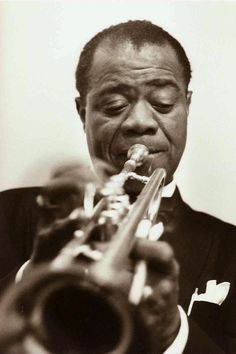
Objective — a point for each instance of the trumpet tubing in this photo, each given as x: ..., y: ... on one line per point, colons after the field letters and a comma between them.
x: 68, y: 308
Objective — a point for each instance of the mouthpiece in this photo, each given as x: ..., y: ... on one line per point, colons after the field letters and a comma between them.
x: 136, y: 156
x: 138, y: 153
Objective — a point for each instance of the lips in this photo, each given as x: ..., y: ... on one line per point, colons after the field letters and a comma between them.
x: 119, y: 150
x: 120, y: 159
x: 151, y: 152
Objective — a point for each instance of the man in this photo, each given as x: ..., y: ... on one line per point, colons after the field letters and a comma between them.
x: 133, y: 83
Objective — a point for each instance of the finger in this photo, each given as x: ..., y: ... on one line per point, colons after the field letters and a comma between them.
x: 79, y: 172
x: 67, y: 168
x: 50, y: 240
x: 153, y: 252
x: 59, y: 188
x: 164, y: 293
x: 60, y: 196
x: 58, y: 228
x: 68, y: 180
x: 54, y: 208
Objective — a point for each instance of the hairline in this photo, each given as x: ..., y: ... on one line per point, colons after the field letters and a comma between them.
x: 146, y: 33
x: 108, y: 42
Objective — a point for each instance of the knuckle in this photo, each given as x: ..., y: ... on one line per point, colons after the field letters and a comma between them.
x: 44, y: 232
x: 167, y: 251
x: 166, y: 288
x: 176, y: 268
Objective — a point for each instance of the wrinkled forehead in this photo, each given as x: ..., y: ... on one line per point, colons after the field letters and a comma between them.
x: 125, y: 56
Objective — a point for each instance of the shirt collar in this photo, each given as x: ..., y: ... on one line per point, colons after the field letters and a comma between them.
x: 169, y: 190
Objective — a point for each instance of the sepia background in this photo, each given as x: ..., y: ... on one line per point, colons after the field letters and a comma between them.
x: 40, y: 42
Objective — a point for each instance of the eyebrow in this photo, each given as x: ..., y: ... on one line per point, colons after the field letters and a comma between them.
x: 163, y: 83
x: 121, y: 87
x: 113, y: 88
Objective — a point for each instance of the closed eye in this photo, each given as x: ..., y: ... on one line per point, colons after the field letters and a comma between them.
x: 114, y: 108
x: 162, y: 108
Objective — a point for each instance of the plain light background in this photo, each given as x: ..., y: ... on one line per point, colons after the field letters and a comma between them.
x: 40, y: 45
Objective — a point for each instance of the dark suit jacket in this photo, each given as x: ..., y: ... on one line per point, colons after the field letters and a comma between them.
x: 18, y: 218
x: 205, y: 248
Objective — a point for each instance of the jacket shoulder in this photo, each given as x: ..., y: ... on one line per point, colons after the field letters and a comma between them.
x: 18, y: 219
x: 19, y: 197
x: 19, y: 193
x: 211, y: 224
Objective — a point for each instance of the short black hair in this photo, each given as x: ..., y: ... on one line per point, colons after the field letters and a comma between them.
x: 139, y: 33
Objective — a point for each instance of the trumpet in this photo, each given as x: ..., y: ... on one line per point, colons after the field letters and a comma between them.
x: 76, y: 303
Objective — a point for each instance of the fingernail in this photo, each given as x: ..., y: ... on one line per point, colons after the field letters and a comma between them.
x: 147, y: 291
x: 74, y: 214
x: 78, y: 233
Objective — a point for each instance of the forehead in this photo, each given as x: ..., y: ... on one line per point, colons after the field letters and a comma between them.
x: 125, y: 63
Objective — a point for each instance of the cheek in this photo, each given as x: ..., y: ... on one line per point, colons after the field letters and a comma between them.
x: 91, y: 127
x: 179, y: 136
x: 99, y: 132
x: 178, y: 129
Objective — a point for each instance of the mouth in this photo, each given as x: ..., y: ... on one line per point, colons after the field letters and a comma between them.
x: 121, y: 158
x: 123, y: 155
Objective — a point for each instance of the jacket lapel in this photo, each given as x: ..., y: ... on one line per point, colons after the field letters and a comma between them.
x: 187, y: 234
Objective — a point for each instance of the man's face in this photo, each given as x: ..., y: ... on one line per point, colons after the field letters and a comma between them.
x: 136, y: 96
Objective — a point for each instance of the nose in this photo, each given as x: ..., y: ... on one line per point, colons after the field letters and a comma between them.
x: 140, y: 120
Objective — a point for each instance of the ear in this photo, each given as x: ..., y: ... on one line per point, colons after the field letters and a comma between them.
x: 189, y: 98
x: 81, y: 109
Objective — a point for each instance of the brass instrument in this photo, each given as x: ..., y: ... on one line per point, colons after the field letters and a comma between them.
x: 78, y: 303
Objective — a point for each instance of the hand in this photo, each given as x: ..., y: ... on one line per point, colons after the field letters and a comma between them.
x: 159, y: 309
x: 64, y: 191
x: 63, y: 194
